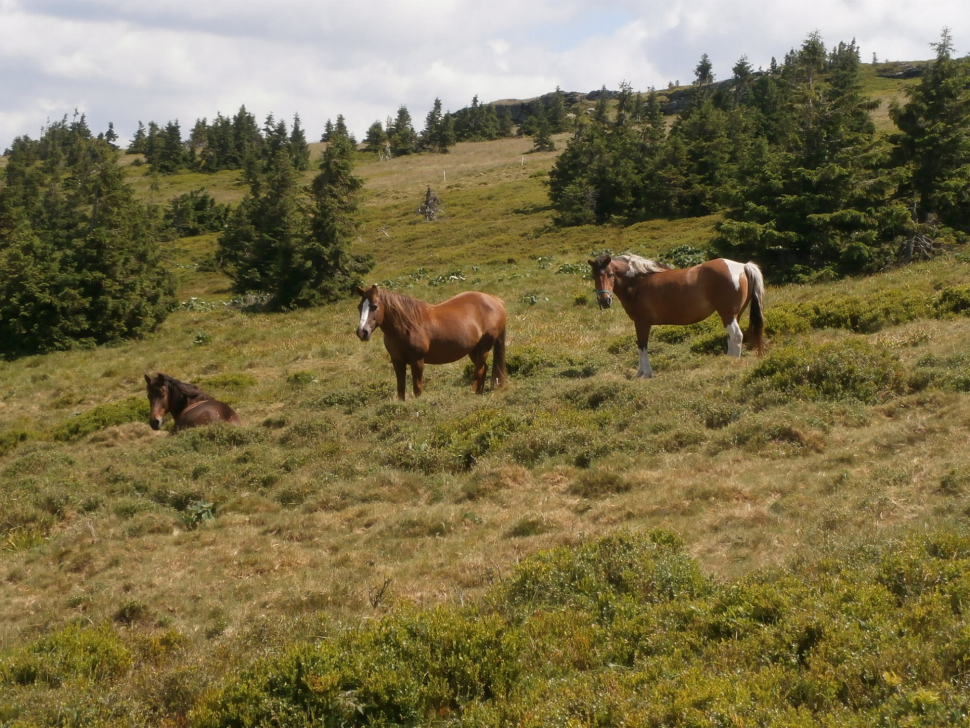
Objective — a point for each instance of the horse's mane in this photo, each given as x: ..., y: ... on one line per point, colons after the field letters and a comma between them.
x: 407, y: 310
x: 639, y: 265
x: 190, y: 391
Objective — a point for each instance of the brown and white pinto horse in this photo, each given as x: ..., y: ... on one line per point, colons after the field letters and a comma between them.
x: 189, y: 405
x: 653, y: 294
x: 417, y: 333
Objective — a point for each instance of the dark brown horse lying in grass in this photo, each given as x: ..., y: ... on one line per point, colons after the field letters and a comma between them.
x: 189, y: 405
x: 652, y: 294
x: 417, y: 333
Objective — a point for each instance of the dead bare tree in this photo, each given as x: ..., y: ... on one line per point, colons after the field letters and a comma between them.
x: 432, y: 207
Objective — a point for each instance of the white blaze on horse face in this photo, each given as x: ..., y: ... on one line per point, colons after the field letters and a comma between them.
x: 735, y: 337
x: 736, y: 270
x: 644, y: 370
x: 364, y: 312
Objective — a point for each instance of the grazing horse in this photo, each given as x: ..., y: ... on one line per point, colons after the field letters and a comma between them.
x: 653, y: 294
x: 417, y: 333
x: 189, y: 405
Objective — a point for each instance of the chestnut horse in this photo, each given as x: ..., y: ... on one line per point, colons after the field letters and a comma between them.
x: 417, y: 333
x: 189, y: 405
x: 653, y: 294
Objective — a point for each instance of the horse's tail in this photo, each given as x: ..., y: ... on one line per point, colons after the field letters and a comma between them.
x: 499, y: 376
x: 756, y: 294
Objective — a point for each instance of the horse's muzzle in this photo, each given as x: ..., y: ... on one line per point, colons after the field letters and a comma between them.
x: 155, y: 424
x: 363, y: 334
x: 605, y: 301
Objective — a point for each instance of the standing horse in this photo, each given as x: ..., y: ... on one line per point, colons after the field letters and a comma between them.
x: 189, y: 405
x: 653, y: 294
x: 417, y: 333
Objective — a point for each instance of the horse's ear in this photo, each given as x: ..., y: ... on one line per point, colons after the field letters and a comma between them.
x: 148, y: 379
x: 360, y: 291
x: 591, y: 262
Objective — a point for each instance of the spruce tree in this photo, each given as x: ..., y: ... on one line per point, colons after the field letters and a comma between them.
x: 299, y: 149
x: 819, y: 202
x: 403, y: 136
x: 438, y: 134
x: 296, y: 249
x: 376, y: 137
x: 137, y: 145
x: 79, y: 262
x: 556, y: 114
x: 933, y: 143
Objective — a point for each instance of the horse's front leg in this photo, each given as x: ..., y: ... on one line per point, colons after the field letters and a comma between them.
x: 417, y: 376
x: 401, y: 371
x: 643, y: 336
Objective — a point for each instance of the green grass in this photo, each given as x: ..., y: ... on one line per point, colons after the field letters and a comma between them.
x: 155, y: 567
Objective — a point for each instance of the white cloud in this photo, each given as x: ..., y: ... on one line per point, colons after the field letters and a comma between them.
x: 128, y: 60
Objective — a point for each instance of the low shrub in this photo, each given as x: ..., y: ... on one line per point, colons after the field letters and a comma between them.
x: 953, y: 301
x: 234, y: 381
x: 599, y: 483
x: 844, y: 370
x: 644, y: 567
x: 529, y: 361
x: 69, y: 654
x: 11, y: 440
x: 358, y: 395
x: 132, y: 409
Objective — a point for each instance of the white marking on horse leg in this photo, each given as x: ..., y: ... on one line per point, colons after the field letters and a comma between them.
x: 735, y: 337
x: 644, y: 370
x: 736, y: 270
x: 364, y: 311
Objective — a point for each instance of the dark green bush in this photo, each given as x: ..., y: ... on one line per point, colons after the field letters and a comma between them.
x: 72, y: 653
x: 230, y: 380
x: 599, y: 483
x: 529, y: 361
x: 626, y: 631
x: 132, y: 409
x: 11, y: 439
x: 953, y: 301
x: 844, y: 370
x: 645, y: 567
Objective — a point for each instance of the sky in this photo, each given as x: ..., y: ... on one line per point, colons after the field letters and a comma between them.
x: 125, y: 61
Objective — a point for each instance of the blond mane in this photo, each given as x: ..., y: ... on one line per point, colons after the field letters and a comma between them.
x: 639, y: 265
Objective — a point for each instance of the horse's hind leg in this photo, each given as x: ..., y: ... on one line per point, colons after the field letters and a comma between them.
x: 735, y: 336
x: 417, y: 377
x: 480, y: 360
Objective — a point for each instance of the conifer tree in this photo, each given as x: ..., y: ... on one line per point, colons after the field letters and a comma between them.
x: 111, y: 136
x: 933, y: 143
x: 376, y: 137
x: 79, y: 264
x: 299, y: 149
x: 438, y: 133
x: 403, y: 136
x: 292, y: 248
x: 556, y: 114
x: 820, y: 201
x: 137, y: 145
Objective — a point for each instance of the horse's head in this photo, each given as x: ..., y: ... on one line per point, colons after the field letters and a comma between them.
x: 603, y: 279
x: 158, y: 395
x: 371, y: 313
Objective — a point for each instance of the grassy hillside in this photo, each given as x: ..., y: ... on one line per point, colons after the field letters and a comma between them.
x: 335, y: 504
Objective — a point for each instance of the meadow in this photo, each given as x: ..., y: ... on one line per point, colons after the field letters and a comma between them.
x: 142, y: 573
